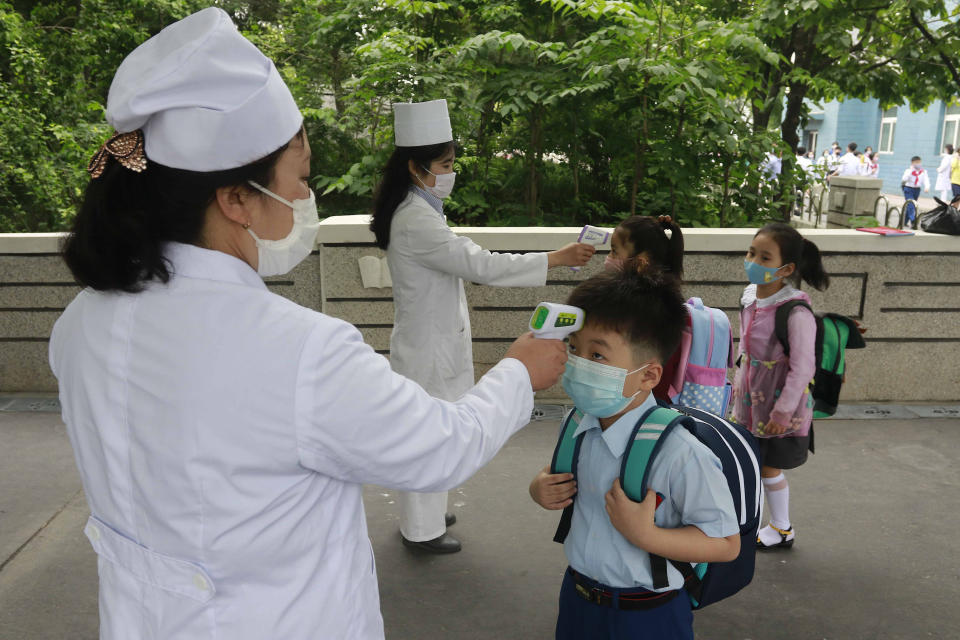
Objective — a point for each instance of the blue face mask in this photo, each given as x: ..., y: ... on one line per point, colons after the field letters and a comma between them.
x: 758, y: 274
x: 596, y: 389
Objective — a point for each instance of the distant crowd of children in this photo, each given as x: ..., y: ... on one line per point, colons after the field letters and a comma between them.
x: 634, y: 319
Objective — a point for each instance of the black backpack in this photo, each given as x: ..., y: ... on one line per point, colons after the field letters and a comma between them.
x: 835, y: 334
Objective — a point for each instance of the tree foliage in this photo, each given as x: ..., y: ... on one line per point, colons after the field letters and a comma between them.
x: 565, y: 112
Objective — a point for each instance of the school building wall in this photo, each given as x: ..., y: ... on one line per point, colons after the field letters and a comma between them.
x: 905, y: 290
x: 916, y: 133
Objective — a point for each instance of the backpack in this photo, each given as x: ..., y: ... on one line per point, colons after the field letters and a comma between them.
x: 835, y: 334
x: 739, y: 456
x: 705, y: 353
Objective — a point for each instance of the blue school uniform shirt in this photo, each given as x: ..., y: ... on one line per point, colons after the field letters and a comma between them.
x: 685, y: 472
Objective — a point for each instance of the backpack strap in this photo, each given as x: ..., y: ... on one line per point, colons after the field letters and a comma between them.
x: 780, y: 323
x: 564, y: 460
x: 644, y: 444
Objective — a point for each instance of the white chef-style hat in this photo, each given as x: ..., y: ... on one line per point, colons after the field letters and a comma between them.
x: 418, y: 124
x: 205, y: 97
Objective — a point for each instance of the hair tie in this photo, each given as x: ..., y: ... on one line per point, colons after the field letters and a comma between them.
x: 127, y: 148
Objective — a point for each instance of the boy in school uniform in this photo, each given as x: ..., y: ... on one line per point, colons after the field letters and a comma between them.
x: 913, y: 177
x: 633, y: 323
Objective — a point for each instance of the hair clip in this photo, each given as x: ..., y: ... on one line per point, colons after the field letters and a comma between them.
x: 127, y: 148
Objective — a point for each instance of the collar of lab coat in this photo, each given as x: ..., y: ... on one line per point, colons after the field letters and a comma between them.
x: 190, y: 261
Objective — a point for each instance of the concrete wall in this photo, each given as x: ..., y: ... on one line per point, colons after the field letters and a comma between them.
x: 905, y: 290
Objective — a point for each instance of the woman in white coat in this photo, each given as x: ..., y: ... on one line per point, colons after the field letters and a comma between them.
x: 943, y: 174
x: 431, y: 340
x: 222, y: 433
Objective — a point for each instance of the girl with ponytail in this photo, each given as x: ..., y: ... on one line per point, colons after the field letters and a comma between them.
x: 771, y: 392
x: 644, y: 239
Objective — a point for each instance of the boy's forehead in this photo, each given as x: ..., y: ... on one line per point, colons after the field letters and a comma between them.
x: 596, y: 332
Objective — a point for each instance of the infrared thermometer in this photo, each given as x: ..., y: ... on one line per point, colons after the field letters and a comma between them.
x: 554, y: 321
x: 594, y: 236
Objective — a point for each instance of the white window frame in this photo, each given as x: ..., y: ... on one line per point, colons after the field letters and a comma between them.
x: 955, y: 118
x: 892, y: 122
x: 813, y: 137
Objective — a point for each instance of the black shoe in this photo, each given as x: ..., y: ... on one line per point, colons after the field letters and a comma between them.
x: 450, y: 519
x: 786, y: 539
x: 444, y: 544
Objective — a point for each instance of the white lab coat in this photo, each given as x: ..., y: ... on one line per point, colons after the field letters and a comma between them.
x: 943, y: 177
x: 222, y: 434
x: 431, y: 340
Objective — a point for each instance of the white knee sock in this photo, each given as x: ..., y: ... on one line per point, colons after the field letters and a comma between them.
x: 778, y: 499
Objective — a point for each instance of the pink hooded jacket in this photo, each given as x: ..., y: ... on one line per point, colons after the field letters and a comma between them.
x: 768, y: 385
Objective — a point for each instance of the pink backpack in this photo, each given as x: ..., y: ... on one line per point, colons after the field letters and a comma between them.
x: 706, y: 352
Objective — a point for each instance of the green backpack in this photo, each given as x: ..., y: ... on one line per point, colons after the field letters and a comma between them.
x: 835, y: 334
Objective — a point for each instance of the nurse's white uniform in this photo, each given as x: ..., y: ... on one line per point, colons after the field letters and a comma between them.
x: 223, y: 432
x: 431, y: 340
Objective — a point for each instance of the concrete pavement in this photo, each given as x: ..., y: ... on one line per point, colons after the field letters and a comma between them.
x: 875, y: 511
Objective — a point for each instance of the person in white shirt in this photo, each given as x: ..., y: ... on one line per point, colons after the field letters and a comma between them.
x: 943, y: 174
x: 803, y: 162
x: 849, y: 163
x: 223, y: 433
x: 913, y: 178
x: 431, y: 341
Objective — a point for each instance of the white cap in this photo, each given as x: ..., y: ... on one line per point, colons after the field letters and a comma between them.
x: 417, y: 124
x: 206, y: 98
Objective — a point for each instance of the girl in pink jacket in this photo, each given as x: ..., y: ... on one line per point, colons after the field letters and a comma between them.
x: 771, y: 392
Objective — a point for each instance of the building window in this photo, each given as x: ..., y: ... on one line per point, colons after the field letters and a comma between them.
x: 951, y: 127
x: 812, y: 140
x: 888, y: 126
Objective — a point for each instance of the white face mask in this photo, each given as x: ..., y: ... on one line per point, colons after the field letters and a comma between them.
x: 443, y: 186
x: 277, y: 257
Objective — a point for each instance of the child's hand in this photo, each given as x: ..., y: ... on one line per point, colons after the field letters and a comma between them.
x: 634, y: 520
x: 553, y: 490
x: 774, y: 429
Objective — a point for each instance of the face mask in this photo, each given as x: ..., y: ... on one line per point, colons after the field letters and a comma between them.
x: 443, y: 187
x: 277, y: 257
x: 613, y: 264
x: 758, y: 274
x: 597, y: 388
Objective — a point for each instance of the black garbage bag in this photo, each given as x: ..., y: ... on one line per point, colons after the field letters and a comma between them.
x: 943, y: 219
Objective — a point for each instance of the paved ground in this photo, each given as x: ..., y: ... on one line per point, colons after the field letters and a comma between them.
x: 876, y: 512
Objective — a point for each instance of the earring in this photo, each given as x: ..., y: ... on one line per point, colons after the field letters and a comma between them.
x: 246, y: 225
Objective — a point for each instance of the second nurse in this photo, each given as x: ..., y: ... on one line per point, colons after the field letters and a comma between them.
x: 431, y: 340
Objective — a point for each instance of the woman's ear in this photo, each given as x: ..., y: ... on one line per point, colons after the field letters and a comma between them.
x: 413, y: 168
x: 234, y: 202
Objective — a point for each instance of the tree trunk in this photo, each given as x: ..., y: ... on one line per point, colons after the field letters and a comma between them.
x: 533, y: 157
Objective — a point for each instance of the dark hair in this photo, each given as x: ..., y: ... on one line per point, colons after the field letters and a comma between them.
x: 395, y: 184
x: 796, y: 249
x: 915, y: 158
x: 852, y: 146
x: 126, y: 218
x: 949, y: 148
x: 801, y: 150
x: 647, y: 234
x: 643, y: 305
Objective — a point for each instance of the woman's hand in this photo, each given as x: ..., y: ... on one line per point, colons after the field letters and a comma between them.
x: 575, y: 254
x: 545, y: 360
x: 553, y: 490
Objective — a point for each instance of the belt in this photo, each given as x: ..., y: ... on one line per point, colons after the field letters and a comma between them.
x: 626, y: 599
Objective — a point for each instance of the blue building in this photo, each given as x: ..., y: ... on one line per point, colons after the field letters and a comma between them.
x: 897, y: 133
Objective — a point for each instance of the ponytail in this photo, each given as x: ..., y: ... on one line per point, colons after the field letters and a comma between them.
x: 811, y: 267
x: 648, y: 236
x: 803, y: 253
x: 118, y: 236
x: 395, y: 184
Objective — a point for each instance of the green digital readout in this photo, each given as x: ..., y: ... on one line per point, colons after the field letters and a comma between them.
x: 540, y: 317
